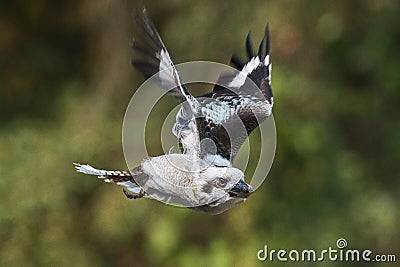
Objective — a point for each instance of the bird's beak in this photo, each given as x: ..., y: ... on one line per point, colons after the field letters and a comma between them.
x: 241, y: 190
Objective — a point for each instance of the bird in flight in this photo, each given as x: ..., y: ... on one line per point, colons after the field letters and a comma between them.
x: 211, y: 129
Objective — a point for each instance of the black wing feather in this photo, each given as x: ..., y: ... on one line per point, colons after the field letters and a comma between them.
x: 156, y: 60
x: 228, y: 146
x: 237, y: 62
x: 249, y: 46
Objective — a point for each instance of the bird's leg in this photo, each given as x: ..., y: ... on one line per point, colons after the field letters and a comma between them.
x: 131, y: 195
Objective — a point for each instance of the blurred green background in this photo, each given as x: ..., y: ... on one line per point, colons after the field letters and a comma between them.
x: 66, y: 79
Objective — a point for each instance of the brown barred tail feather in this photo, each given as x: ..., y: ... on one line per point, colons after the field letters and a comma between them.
x: 122, y: 178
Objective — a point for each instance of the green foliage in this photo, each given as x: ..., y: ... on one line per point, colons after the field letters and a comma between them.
x: 65, y: 82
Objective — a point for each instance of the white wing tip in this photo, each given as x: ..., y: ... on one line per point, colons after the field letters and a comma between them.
x: 87, y: 169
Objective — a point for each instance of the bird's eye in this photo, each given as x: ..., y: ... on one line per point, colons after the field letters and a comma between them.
x: 221, y: 182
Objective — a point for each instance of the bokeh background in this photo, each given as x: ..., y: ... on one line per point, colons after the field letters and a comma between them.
x: 66, y: 79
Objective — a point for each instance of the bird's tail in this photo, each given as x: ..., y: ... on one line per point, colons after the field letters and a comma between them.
x: 122, y: 178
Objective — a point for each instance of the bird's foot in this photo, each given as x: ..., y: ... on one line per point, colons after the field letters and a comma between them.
x: 131, y: 195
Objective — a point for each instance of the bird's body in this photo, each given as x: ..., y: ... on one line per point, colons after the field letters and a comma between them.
x: 211, y: 129
x: 174, y: 179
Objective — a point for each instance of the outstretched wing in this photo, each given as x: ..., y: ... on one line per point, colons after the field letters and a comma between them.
x: 258, y: 67
x: 157, y: 61
x: 219, y: 114
x: 240, y: 102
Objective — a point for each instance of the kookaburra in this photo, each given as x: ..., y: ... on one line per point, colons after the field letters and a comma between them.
x: 199, y: 178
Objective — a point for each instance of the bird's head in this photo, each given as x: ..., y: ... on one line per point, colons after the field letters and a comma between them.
x: 217, y: 182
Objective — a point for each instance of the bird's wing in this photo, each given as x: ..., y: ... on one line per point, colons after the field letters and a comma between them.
x: 214, y: 114
x: 239, y: 103
x: 157, y: 61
